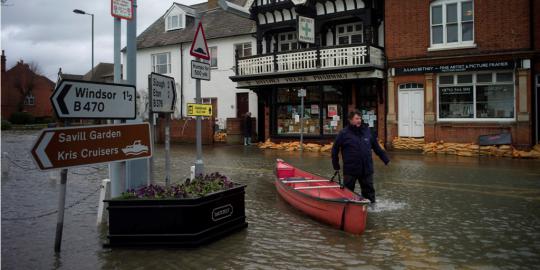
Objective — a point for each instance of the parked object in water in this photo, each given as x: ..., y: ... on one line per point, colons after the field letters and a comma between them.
x: 321, y: 198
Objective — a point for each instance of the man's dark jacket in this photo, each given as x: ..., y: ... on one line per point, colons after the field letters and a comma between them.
x: 355, y: 144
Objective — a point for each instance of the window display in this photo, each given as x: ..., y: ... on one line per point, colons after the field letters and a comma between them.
x: 476, y: 96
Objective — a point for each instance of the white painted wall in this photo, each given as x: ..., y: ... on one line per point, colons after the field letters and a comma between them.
x: 220, y: 86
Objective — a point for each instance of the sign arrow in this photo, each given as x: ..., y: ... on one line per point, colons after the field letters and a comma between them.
x: 94, y: 100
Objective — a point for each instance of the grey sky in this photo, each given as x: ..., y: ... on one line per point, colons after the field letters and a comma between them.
x: 49, y: 33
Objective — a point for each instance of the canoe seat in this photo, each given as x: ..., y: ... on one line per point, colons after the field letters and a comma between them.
x: 316, y: 187
x: 305, y: 181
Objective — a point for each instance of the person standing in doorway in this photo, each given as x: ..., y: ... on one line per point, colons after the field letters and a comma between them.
x: 247, y: 128
x: 356, y: 143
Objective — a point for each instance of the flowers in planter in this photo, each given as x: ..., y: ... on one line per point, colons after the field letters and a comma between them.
x: 199, y: 187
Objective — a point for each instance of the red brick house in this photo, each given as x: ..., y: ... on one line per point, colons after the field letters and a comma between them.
x: 24, y: 90
x: 458, y: 69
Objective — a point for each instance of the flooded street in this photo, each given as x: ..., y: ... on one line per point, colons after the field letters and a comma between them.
x: 433, y: 212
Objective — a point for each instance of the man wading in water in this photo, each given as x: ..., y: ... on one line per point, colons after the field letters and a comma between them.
x: 356, y: 142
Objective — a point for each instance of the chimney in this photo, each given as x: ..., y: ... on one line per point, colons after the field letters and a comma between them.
x: 3, y: 62
x: 212, y: 4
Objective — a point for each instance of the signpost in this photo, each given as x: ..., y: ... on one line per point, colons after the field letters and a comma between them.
x: 199, y: 49
x: 82, y: 99
x: 200, y: 70
x: 194, y: 109
x: 302, y: 95
x: 162, y: 99
x: 58, y: 148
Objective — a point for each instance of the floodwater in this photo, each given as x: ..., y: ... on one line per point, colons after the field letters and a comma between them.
x: 433, y: 212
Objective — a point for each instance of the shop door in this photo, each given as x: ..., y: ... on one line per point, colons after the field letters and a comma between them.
x: 242, y: 104
x: 411, y: 113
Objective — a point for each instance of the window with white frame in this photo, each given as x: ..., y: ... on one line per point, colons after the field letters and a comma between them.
x: 452, y: 23
x: 29, y: 100
x: 243, y: 49
x: 213, y: 56
x: 287, y: 41
x: 161, y: 63
x: 477, y: 96
x: 351, y: 33
x: 174, y: 22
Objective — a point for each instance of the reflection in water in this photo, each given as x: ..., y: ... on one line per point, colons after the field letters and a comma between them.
x: 432, y: 212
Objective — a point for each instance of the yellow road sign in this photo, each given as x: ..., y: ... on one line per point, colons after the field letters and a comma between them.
x: 199, y: 109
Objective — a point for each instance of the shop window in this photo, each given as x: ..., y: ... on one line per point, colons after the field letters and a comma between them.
x: 288, y: 120
x: 476, y: 96
x: 452, y: 23
x: 287, y: 41
x: 161, y: 63
x: 406, y: 86
x: 351, y: 33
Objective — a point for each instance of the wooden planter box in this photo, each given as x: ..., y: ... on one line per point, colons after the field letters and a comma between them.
x: 176, y: 222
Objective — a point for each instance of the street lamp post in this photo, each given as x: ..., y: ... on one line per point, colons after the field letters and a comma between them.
x: 78, y: 11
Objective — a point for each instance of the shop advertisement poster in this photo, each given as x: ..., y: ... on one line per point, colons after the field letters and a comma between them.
x: 332, y: 110
x: 315, y: 109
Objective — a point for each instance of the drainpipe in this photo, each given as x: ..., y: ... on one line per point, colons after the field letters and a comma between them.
x: 181, y: 81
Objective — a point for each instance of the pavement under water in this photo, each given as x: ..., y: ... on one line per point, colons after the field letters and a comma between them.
x: 433, y: 212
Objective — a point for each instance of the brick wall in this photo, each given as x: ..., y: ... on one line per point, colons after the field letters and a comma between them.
x: 183, y: 131
x: 497, y: 27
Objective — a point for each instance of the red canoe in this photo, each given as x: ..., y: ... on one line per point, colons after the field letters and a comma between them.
x: 321, y: 198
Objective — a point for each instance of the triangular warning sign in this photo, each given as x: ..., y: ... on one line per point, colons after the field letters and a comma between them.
x: 199, y: 48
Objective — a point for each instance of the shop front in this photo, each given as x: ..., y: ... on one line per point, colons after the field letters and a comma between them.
x: 458, y: 102
x: 326, y: 106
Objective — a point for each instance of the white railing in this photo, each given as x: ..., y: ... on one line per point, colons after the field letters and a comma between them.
x: 297, y: 61
x: 335, y: 57
x: 343, y: 57
x: 258, y: 65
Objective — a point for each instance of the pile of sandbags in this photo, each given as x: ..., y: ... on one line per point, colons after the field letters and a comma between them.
x: 220, y: 137
x: 295, y: 146
x: 404, y: 143
x: 471, y: 149
x: 534, y: 153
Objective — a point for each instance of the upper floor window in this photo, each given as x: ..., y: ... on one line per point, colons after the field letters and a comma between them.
x: 243, y: 49
x: 349, y: 33
x: 161, y: 63
x: 174, y: 22
x: 29, y: 100
x: 287, y: 41
x: 452, y: 23
x: 213, y: 56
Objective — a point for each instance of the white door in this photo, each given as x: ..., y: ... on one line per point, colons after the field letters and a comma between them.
x: 411, y: 113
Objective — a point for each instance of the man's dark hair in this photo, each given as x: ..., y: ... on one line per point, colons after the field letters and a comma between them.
x: 353, y: 113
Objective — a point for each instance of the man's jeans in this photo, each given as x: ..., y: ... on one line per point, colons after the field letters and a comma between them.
x: 247, y: 140
x: 366, y: 184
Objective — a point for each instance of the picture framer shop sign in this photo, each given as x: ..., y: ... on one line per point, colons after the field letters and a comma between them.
x: 122, y: 9
x: 456, y: 67
x: 58, y: 148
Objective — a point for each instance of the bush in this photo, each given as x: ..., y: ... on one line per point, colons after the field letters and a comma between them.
x: 22, y: 118
x: 44, y: 120
x: 6, y: 125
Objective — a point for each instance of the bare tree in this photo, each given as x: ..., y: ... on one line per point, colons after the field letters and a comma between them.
x: 26, y: 81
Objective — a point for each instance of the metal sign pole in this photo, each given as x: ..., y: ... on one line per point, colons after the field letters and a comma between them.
x: 199, y: 165
x: 302, y: 95
x: 61, y: 206
x: 167, y: 149
x: 152, y: 129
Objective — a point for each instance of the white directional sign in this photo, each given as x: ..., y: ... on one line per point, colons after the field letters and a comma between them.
x: 93, y: 100
x: 163, y: 93
x: 200, y: 70
x: 306, y: 29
